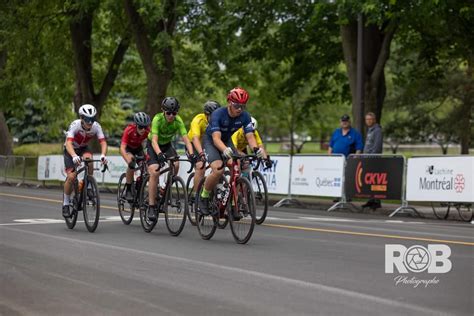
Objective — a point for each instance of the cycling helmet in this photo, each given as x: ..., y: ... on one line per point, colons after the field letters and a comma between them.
x: 238, y: 95
x: 87, y: 110
x: 170, y: 104
x: 210, y: 106
x: 141, y: 119
x: 254, y: 123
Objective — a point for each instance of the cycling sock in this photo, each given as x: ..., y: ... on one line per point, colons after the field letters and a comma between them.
x: 128, y: 186
x: 67, y: 199
x: 204, y: 193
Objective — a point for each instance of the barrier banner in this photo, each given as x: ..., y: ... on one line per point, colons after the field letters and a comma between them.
x: 376, y: 177
x: 441, y: 179
x: 278, y: 176
x: 51, y: 168
x: 317, y: 175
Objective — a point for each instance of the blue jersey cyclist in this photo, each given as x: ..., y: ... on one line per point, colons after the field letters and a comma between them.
x: 217, y: 141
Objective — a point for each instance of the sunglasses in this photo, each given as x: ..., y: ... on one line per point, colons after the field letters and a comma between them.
x: 238, y: 106
x: 169, y: 113
x: 88, y: 120
x: 141, y: 127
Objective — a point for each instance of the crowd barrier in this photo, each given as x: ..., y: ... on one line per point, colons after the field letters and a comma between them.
x: 384, y: 177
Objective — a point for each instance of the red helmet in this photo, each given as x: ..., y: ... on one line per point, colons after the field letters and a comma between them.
x: 238, y: 95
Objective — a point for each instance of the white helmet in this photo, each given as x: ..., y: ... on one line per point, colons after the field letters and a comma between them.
x: 254, y: 123
x: 87, y: 110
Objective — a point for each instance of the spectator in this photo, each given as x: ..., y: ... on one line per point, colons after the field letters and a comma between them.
x: 373, y: 145
x: 345, y: 140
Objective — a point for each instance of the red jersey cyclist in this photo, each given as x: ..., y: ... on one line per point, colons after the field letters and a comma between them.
x: 132, y: 145
x: 79, y: 134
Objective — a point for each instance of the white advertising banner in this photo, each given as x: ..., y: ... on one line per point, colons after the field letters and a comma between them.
x: 51, y: 168
x: 278, y: 176
x: 440, y: 179
x: 317, y: 175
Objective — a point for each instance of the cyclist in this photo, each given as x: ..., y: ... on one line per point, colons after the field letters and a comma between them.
x: 132, y: 145
x: 217, y: 140
x: 240, y: 143
x: 79, y: 134
x: 196, y: 131
x: 164, y: 127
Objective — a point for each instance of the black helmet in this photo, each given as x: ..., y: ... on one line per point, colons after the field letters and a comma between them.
x: 170, y: 104
x: 210, y: 106
x: 141, y: 119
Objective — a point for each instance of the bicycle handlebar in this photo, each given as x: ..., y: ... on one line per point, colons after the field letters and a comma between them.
x: 238, y: 157
x: 177, y: 158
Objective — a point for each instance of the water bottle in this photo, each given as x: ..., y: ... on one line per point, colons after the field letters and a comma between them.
x: 219, y: 191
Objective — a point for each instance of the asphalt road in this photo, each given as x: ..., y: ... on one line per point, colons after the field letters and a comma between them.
x: 301, y: 262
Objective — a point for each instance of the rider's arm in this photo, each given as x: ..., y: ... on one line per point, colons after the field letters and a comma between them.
x: 154, y: 143
x: 184, y: 134
x: 103, y: 147
x: 251, y: 139
x: 123, y: 153
x: 216, y: 138
x: 197, y: 143
x: 260, y: 144
x: 189, y: 147
x: 70, y: 148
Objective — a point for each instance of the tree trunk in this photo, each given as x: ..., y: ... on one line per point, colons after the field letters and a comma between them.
x: 465, y: 128
x: 159, y: 74
x: 5, y: 137
x: 81, y: 37
x: 377, y: 51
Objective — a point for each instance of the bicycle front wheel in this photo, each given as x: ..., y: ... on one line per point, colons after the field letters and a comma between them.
x: 147, y: 224
x: 441, y: 210
x: 261, y: 196
x: 191, y: 199
x: 176, y: 206
x: 465, y: 211
x: 73, y: 209
x: 91, y: 206
x: 126, y: 209
x: 206, y: 223
x: 242, y: 215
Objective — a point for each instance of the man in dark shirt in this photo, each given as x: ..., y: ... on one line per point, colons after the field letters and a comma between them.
x: 373, y: 145
x: 345, y: 140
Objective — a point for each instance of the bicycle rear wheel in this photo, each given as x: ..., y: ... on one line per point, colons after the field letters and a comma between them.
x: 176, y: 206
x: 242, y: 215
x: 126, y: 209
x: 441, y: 210
x: 206, y: 224
x: 91, y: 206
x: 191, y: 199
x: 261, y: 196
x: 465, y: 211
x: 147, y: 224
x: 73, y: 209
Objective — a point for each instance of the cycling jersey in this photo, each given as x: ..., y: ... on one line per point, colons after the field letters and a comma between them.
x: 80, y: 137
x: 166, y: 130
x: 198, y: 126
x: 222, y: 122
x: 131, y: 138
x: 240, y: 141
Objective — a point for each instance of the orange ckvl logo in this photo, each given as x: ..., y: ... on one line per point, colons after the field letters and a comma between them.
x: 358, y: 179
x: 377, y: 180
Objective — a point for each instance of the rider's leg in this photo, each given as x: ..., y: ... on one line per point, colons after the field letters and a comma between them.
x: 198, y: 173
x: 153, y: 184
x: 88, y: 155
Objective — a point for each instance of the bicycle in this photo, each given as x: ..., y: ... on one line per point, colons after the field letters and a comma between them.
x: 173, y: 196
x: 442, y: 210
x: 127, y: 214
x: 85, y: 202
x: 237, y: 201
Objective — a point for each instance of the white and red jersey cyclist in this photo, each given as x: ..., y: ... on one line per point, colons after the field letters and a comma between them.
x: 80, y: 137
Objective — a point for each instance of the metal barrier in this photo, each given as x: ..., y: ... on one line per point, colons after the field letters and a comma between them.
x: 18, y: 169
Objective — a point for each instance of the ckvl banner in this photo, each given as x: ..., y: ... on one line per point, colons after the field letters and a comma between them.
x: 317, y: 175
x: 372, y: 176
x: 441, y: 179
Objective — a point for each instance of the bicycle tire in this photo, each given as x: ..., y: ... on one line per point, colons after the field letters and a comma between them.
x: 191, y: 199
x: 441, y: 210
x: 147, y: 225
x: 261, y: 198
x: 175, y: 220
x: 125, y: 215
x: 206, y: 224
x: 90, y: 185
x: 246, y: 223
x: 466, y: 215
x: 72, y: 220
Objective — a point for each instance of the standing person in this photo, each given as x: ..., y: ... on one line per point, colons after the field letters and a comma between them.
x: 78, y: 135
x: 346, y: 140
x: 373, y: 145
x: 217, y: 141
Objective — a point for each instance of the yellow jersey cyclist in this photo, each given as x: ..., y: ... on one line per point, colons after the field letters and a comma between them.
x: 217, y: 141
x: 196, y: 132
x: 240, y: 143
x: 164, y: 127
x: 78, y: 135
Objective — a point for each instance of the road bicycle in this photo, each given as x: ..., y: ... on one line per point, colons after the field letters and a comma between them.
x: 127, y: 208
x: 441, y: 210
x: 172, y: 200
x: 85, y: 198
x: 235, y: 200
